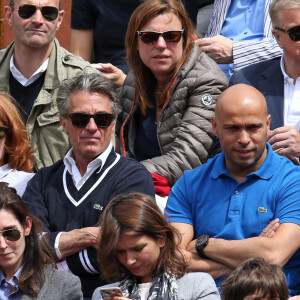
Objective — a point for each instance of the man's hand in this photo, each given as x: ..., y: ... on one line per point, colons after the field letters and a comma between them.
x: 270, y: 230
x: 112, y: 73
x: 285, y: 141
x: 78, y: 239
x: 219, y: 48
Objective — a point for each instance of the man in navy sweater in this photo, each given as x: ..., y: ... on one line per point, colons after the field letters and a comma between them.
x: 70, y: 196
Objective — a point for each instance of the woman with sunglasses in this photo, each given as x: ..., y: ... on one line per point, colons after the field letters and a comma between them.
x: 27, y: 268
x: 15, y: 153
x: 138, y: 247
x: 169, y: 97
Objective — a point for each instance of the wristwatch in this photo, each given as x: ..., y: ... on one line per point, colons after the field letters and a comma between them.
x: 200, y: 244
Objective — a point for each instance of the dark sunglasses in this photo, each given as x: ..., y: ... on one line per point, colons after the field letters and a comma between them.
x: 151, y: 37
x: 102, y: 120
x: 26, y: 11
x: 11, y: 234
x: 294, y: 32
x: 3, y: 131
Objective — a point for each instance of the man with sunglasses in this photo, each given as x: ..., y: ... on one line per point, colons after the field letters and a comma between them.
x: 31, y: 69
x: 278, y: 80
x: 70, y: 196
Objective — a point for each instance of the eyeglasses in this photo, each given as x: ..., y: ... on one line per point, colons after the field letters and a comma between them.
x: 3, y: 131
x: 102, y: 120
x: 294, y: 32
x: 11, y: 234
x: 26, y: 11
x: 151, y: 37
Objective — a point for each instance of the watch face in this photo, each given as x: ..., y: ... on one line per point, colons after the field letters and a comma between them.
x: 201, y: 239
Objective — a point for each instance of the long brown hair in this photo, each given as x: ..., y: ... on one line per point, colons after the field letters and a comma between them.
x: 144, y: 80
x: 133, y: 215
x: 38, y: 250
x: 17, y: 150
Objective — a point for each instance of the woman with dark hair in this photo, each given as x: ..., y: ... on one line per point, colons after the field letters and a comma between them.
x: 138, y: 248
x: 15, y: 152
x: 169, y: 96
x: 27, y: 267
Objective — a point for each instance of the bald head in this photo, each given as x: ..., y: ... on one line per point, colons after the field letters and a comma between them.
x: 241, y: 97
x: 241, y: 122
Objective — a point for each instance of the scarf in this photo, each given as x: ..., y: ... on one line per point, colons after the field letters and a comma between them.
x: 163, y: 288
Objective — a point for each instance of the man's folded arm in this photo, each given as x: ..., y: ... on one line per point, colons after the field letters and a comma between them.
x: 275, y: 250
x: 196, y: 263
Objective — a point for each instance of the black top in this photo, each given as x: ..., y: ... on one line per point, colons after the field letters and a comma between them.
x: 25, y: 95
x: 146, y: 144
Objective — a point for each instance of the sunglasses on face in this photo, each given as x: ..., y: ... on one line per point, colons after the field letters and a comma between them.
x: 294, y: 32
x: 26, y: 11
x: 3, y: 131
x: 151, y: 37
x: 102, y: 120
x: 11, y: 234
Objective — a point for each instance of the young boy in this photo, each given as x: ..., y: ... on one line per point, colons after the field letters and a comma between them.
x: 255, y: 279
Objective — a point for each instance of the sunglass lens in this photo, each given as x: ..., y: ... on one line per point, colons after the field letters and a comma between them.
x: 12, y: 234
x: 79, y: 120
x: 50, y: 13
x: 172, y: 36
x: 150, y: 37
x: 26, y: 11
x: 103, y: 120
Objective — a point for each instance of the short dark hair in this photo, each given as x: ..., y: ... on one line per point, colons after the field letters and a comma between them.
x: 255, y: 275
x: 93, y: 83
x: 38, y: 250
x: 133, y: 215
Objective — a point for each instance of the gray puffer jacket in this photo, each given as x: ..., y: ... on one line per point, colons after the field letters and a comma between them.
x: 184, y: 129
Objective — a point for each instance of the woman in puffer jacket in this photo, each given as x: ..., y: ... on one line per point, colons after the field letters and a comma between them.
x: 169, y: 96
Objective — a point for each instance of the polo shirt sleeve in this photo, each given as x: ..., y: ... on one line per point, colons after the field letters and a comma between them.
x: 83, y: 15
x: 288, y: 202
x: 178, y: 208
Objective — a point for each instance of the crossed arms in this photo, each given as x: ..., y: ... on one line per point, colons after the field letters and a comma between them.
x: 276, y: 244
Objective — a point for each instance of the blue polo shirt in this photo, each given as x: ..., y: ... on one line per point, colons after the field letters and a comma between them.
x: 5, y: 287
x: 211, y: 200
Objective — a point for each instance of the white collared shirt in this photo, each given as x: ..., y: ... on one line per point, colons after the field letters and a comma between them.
x: 291, y: 112
x: 15, y: 179
x: 72, y: 168
x: 20, y: 77
x: 79, y: 181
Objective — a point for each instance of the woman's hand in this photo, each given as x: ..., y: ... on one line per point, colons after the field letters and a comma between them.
x: 111, y: 72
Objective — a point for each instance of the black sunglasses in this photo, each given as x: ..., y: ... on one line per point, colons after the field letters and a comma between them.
x: 26, y: 11
x: 151, y: 37
x: 102, y: 120
x: 3, y: 131
x: 294, y: 32
x: 11, y: 234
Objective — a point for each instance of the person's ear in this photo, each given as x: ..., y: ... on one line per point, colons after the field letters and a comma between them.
x: 28, y: 225
x: 63, y: 123
x: 277, y: 36
x: 162, y: 241
x: 60, y: 18
x: 214, y: 126
x: 268, y: 122
x: 8, y: 12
